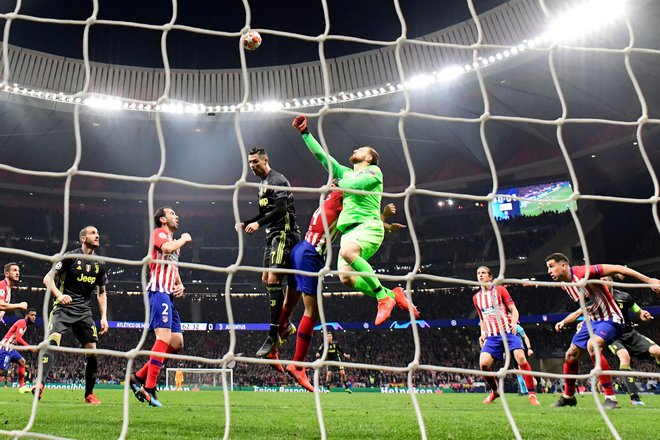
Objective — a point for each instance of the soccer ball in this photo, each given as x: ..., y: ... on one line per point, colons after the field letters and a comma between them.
x: 251, y: 40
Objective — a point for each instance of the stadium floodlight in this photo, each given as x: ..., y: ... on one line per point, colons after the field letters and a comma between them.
x: 584, y: 19
x: 450, y: 73
x: 103, y: 103
x: 419, y: 81
x: 450, y: 202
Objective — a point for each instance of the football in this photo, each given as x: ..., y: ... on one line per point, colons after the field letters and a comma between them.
x: 251, y: 40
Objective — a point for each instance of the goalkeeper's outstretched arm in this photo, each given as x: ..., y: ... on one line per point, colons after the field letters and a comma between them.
x: 338, y: 170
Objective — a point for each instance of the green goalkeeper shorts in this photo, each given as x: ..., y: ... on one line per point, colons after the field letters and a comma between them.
x: 368, y: 235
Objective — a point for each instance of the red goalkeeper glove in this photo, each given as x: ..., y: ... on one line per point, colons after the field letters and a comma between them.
x: 300, y: 124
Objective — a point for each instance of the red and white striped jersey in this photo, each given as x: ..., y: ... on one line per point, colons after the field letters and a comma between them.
x: 163, y: 276
x: 15, y: 334
x: 5, y: 295
x: 332, y: 205
x: 599, y: 301
x: 483, y: 301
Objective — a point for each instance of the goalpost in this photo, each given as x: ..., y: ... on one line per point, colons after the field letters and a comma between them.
x: 199, y: 378
x: 482, y: 53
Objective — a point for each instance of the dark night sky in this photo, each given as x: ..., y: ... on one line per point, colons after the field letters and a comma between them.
x: 128, y: 46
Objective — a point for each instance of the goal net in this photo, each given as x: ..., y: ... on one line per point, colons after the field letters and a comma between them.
x: 502, y: 115
x: 195, y: 379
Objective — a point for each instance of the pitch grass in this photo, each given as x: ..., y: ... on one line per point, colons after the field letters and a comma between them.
x: 200, y: 415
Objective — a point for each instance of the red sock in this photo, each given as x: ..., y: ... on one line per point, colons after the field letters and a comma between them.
x: 569, y: 384
x: 305, y: 330
x: 605, y: 380
x: 21, y: 375
x: 490, y: 380
x: 284, y: 318
x: 529, y: 380
x: 142, y: 372
x: 155, y: 363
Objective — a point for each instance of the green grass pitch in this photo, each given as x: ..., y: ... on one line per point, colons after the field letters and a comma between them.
x: 200, y: 415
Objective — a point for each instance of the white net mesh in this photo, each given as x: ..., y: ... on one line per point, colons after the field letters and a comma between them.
x: 483, y: 54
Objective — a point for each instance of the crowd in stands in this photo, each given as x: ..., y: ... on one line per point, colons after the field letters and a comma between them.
x: 455, y: 347
x: 450, y: 245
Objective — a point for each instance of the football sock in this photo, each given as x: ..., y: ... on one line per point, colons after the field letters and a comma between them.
x: 521, y: 384
x: 305, y: 330
x: 21, y: 375
x: 90, y: 373
x: 276, y: 295
x: 155, y: 364
x: 362, y: 265
x: 380, y: 292
x: 605, y: 380
x: 529, y: 380
x: 569, y: 384
x: 142, y: 372
x: 490, y: 380
x: 630, y: 381
x: 285, y: 314
x: 47, y: 360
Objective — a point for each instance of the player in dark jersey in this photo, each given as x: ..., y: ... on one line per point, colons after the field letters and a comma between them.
x: 72, y: 281
x: 335, y: 353
x: 630, y: 342
x: 278, y: 214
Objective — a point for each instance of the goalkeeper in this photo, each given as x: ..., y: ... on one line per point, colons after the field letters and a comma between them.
x: 359, y: 221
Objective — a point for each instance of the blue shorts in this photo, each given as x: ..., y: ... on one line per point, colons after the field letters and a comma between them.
x: 7, y: 357
x: 163, y: 313
x: 607, y: 330
x: 495, y: 346
x: 304, y: 257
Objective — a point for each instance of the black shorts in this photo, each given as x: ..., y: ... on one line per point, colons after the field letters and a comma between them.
x: 637, y: 344
x: 83, y: 325
x: 335, y: 368
x: 278, y: 248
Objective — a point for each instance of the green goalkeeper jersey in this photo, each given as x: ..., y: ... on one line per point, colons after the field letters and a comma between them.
x: 358, y: 208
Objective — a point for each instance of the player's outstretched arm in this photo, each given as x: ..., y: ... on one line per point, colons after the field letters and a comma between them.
x: 569, y: 319
x: 5, y: 306
x: 338, y: 170
x: 614, y: 269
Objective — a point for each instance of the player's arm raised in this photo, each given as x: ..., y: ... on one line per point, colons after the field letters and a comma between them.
x: 338, y: 170
x: 614, y: 269
x: 172, y: 246
x: 102, y: 299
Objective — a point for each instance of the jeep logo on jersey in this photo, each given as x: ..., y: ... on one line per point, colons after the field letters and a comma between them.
x: 86, y: 279
x: 263, y: 202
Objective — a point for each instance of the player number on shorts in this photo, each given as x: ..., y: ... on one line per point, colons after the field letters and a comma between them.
x: 166, y: 307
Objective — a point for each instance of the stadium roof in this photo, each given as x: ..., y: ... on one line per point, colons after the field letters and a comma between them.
x: 447, y: 153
